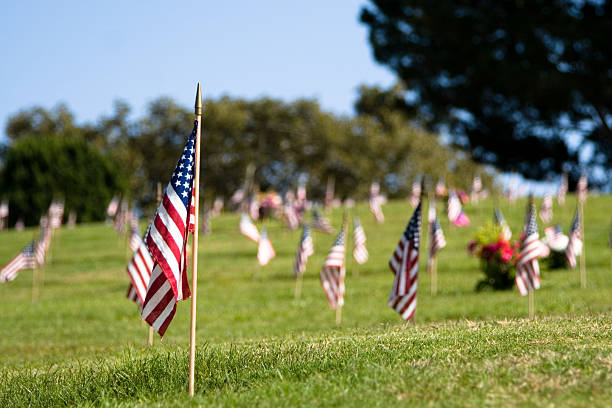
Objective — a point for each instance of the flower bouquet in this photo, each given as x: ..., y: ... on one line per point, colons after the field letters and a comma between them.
x: 498, y: 257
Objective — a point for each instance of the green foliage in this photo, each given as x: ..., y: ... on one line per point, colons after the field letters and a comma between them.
x: 282, y: 140
x: 508, y: 79
x: 40, y: 169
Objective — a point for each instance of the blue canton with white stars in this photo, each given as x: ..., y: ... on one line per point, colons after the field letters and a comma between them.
x: 412, y: 230
x: 532, y: 226
x: 182, y: 178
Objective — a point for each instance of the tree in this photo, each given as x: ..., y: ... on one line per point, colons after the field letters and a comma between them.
x: 40, y: 169
x: 508, y: 80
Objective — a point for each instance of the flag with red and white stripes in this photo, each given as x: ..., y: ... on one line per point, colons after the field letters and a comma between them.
x: 499, y: 219
x: 360, y: 252
x: 454, y: 206
x: 415, y: 195
x: 546, y: 209
x: 167, y: 241
x: 139, y: 270
x: 376, y: 208
x: 528, y: 268
x: 24, y: 260
x: 574, y: 245
x: 404, y: 264
x: 304, y: 251
x: 581, y: 188
x: 562, y: 189
x: 333, y: 272
x: 247, y: 228
x: 436, y: 240
x: 265, y: 250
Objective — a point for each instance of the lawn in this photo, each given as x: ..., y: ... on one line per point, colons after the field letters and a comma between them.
x: 83, y: 343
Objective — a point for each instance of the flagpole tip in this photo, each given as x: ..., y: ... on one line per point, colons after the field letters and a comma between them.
x: 198, y: 101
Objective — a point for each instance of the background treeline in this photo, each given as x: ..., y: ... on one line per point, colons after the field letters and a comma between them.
x: 50, y: 155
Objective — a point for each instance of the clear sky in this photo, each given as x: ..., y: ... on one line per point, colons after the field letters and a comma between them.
x: 88, y: 54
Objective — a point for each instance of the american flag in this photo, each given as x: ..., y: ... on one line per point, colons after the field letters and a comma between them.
x: 113, y: 206
x: 167, y: 241
x: 477, y: 184
x: 139, y: 270
x: 304, y: 251
x: 24, y: 260
x: 42, y: 245
x: 528, y: 268
x: 376, y: 208
x: 476, y: 187
x: 301, y: 192
x: 122, y: 217
x: 554, y: 237
x: 440, y: 188
x: 133, y: 295
x: 290, y: 215
x: 454, y: 206
x: 546, y: 210
x: 321, y: 223
x: 333, y: 272
x: 248, y: 229
x: 581, y: 188
x: 562, y: 189
x: 4, y: 211
x: 192, y: 211
x: 265, y: 250
x: 436, y: 240
x: 499, y: 219
x: 415, y: 196
x: 404, y: 264
x: 360, y: 252
x: 56, y: 212
x: 574, y: 245
x: 135, y: 239
x: 431, y: 215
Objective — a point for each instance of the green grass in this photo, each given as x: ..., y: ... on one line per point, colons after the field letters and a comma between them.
x: 82, y: 342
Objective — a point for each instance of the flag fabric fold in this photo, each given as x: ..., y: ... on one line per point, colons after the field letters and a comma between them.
x: 404, y: 264
x: 166, y: 242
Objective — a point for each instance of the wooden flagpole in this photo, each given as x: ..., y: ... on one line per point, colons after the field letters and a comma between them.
x: 531, y: 304
x: 583, y: 275
x: 194, y: 269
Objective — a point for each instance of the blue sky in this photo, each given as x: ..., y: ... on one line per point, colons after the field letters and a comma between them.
x: 87, y: 54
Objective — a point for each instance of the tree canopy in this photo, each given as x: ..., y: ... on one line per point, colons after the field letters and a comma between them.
x: 508, y: 80
x: 282, y: 141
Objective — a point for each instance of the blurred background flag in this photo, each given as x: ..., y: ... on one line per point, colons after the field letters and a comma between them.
x: 528, y: 268
x: 247, y: 228
x: 574, y: 245
x: 304, y: 251
x: 265, y: 250
x: 24, y: 260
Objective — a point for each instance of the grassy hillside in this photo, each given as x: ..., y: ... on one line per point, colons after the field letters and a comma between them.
x: 82, y: 342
